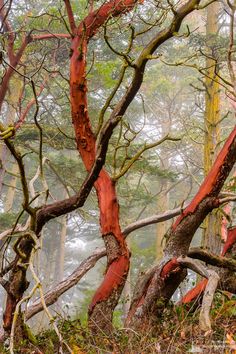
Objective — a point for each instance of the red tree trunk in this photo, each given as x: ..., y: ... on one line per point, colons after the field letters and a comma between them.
x: 164, y: 279
x: 100, y: 310
x: 118, y: 255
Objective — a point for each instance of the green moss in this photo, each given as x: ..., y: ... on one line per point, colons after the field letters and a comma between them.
x: 31, y: 337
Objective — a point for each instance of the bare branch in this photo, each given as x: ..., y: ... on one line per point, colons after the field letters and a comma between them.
x: 140, y: 152
x: 169, y: 214
x: 52, y: 296
x: 213, y: 279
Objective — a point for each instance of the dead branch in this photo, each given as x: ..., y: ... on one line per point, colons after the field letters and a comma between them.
x: 52, y: 296
x: 213, y: 279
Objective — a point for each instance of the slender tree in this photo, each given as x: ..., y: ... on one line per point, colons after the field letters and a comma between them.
x: 212, y: 233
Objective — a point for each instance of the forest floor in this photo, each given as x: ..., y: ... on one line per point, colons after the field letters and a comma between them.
x: 176, y: 331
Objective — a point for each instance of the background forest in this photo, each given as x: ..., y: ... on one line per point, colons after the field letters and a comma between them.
x: 117, y: 177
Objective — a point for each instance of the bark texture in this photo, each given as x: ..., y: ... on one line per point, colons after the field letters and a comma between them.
x: 107, y: 296
x: 158, y: 283
x: 164, y: 278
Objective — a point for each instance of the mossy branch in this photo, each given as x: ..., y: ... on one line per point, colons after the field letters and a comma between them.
x: 212, y: 259
x: 139, y: 153
x: 19, y: 159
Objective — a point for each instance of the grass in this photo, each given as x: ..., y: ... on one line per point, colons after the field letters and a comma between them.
x: 176, y: 331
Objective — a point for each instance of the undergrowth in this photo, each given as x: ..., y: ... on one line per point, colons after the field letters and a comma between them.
x: 176, y: 331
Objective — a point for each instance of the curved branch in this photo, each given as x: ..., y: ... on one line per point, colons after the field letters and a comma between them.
x: 65, y: 206
x: 19, y: 159
x: 169, y: 214
x: 11, y: 68
x: 212, y: 259
x: 142, y: 60
x: 22, y: 117
x: 52, y: 296
x: 139, y: 153
x: 92, y: 23
x: 211, y: 286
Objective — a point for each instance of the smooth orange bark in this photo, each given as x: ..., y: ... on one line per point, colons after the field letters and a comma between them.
x: 196, y: 291
x: 118, y: 264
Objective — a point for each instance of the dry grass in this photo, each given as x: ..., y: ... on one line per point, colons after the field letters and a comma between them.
x: 176, y: 331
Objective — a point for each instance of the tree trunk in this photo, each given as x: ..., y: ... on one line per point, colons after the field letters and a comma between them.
x: 162, y: 281
x: 161, y: 229
x: 17, y: 281
x: 60, y: 262
x: 212, y: 225
x: 106, y: 297
x: 108, y: 294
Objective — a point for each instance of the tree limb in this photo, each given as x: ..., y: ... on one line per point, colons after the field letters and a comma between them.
x: 212, y: 259
x: 213, y: 279
x: 52, y: 296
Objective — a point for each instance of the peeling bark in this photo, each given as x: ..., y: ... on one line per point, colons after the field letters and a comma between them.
x: 108, y: 294
x: 181, y: 233
x: 93, y: 156
x: 231, y: 239
x: 109, y: 218
x: 52, y: 295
